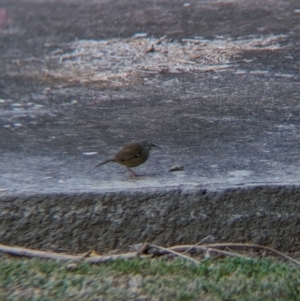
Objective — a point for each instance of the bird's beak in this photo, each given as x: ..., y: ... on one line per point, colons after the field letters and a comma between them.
x: 154, y: 145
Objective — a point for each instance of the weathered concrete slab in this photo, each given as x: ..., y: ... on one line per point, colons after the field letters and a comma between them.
x: 74, y: 223
x: 220, y: 93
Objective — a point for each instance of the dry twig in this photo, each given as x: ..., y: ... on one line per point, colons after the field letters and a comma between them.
x: 39, y: 254
x: 184, y: 248
x: 254, y: 246
x: 209, y: 237
x: 169, y: 250
x: 176, y: 250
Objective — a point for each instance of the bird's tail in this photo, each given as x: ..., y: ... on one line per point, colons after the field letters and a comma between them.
x: 101, y: 163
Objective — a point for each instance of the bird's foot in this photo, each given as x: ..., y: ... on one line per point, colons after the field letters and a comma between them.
x: 132, y: 173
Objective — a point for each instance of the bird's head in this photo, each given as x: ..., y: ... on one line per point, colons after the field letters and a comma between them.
x: 148, y: 144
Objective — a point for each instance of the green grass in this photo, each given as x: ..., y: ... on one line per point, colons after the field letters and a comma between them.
x: 157, y: 279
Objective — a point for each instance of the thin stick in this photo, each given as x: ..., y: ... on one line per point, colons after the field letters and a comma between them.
x: 152, y: 48
x: 184, y: 61
x: 100, y: 259
x: 245, y: 245
x: 193, y: 41
x: 198, y: 243
x: 181, y: 248
x: 169, y: 250
x: 160, y: 39
x: 202, y: 248
x: 86, y: 254
x: 65, y: 257
x: 227, y: 253
x: 40, y: 254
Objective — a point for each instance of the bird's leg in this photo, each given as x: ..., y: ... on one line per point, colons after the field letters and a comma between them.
x: 132, y: 173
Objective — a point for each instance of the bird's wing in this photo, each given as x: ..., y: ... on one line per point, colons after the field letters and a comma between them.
x: 134, y: 150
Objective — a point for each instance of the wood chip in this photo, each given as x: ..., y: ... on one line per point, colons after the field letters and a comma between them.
x: 176, y: 168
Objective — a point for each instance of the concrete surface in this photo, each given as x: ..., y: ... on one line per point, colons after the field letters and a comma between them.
x: 232, y: 120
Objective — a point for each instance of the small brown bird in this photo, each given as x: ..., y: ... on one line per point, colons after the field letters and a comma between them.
x: 132, y: 155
